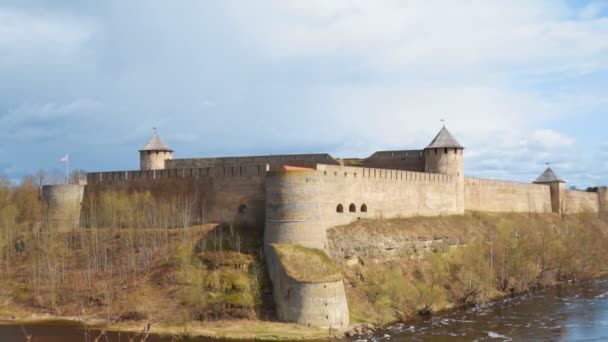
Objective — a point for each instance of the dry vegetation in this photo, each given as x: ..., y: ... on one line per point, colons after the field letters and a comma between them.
x: 503, y: 254
x: 120, y: 270
x: 124, y: 270
x: 307, y: 264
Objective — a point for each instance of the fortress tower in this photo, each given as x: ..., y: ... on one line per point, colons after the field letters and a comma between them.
x: 444, y: 155
x: 557, y: 187
x: 153, y: 155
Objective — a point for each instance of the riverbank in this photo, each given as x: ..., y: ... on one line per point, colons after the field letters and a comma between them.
x: 566, y: 312
x: 223, y: 329
x: 398, y: 269
x: 211, y: 281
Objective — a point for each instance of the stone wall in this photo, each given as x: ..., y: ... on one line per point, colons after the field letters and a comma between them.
x: 602, y: 194
x: 61, y: 206
x: 217, y: 194
x: 275, y: 162
x: 581, y: 202
x: 301, y: 205
x: 503, y: 196
x: 381, y: 193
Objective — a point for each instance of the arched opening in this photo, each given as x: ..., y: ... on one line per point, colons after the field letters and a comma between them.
x: 363, y: 208
x: 352, y: 208
x: 242, y: 209
x: 339, y: 208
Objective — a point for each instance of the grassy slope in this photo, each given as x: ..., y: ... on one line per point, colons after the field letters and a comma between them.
x: 306, y: 264
x: 202, y: 281
x: 207, y: 281
x: 502, y: 254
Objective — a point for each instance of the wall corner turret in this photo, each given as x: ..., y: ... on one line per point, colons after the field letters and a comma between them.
x: 557, y: 188
x: 154, y: 154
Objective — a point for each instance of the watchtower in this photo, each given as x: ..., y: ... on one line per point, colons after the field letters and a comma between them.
x: 444, y: 155
x: 557, y: 187
x: 153, y: 155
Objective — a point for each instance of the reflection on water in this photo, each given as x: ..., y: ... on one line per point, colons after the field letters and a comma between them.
x: 566, y: 313
x: 66, y: 332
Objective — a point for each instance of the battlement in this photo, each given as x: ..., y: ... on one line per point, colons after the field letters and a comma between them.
x: 387, y: 174
x: 259, y: 170
x: 504, y: 184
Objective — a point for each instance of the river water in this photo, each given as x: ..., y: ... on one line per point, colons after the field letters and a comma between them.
x: 565, y: 313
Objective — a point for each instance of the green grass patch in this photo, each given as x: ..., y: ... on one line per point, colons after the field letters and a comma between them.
x: 307, y: 265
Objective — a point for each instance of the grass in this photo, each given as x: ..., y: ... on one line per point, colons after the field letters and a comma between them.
x: 307, y: 265
x: 232, y: 329
x: 496, y: 255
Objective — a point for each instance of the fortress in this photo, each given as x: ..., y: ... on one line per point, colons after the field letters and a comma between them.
x: 296, y: 198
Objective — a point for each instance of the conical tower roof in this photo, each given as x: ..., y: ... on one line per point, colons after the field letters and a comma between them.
x: 444, y: 139
x: 549, y: 177
x: 156, y: 144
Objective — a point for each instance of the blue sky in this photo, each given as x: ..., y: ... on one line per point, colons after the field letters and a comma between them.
x: 520, y: 83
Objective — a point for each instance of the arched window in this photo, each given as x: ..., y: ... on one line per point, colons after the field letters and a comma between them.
x: 352, y: 208
x: 242, y: 209
x: 363, y: 208
x: 339, y: 208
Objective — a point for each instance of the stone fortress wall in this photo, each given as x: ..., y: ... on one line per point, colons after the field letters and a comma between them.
x: 581, y: 201
x: 218, y: 194
x: 505, y: 196
x: 298, y: 197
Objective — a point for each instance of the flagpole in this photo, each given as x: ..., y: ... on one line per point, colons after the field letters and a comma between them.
x: 67, y: 171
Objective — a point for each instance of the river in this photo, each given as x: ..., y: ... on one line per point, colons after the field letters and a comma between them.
x: 564, y: 313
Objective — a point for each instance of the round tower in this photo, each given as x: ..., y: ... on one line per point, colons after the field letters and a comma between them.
x: 444, y: 155
x: 61, y: 207
x: 153, y: 155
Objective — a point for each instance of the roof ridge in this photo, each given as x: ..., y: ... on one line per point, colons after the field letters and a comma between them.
x: 156, y: 144
x: 444, y: 139
x: 549, y: 176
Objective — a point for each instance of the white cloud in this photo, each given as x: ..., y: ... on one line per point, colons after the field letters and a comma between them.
x: 26, y: 35
x: 548, y: 139
x: 593, y: 10
x: 414, y: 36
x: 343, y: 76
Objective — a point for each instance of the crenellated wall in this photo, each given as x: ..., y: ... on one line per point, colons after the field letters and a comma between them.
x: 504, y: 196
x: 216, y: 194
x: 581, y: 202
x: 383, y: 193
x: 301, y: 205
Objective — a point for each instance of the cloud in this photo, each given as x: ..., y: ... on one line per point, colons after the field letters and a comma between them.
x: 28, y: 35
x: 344, y: 76
x: 548, y: 139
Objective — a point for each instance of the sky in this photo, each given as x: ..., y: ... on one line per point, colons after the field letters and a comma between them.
x: 519, y: 83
